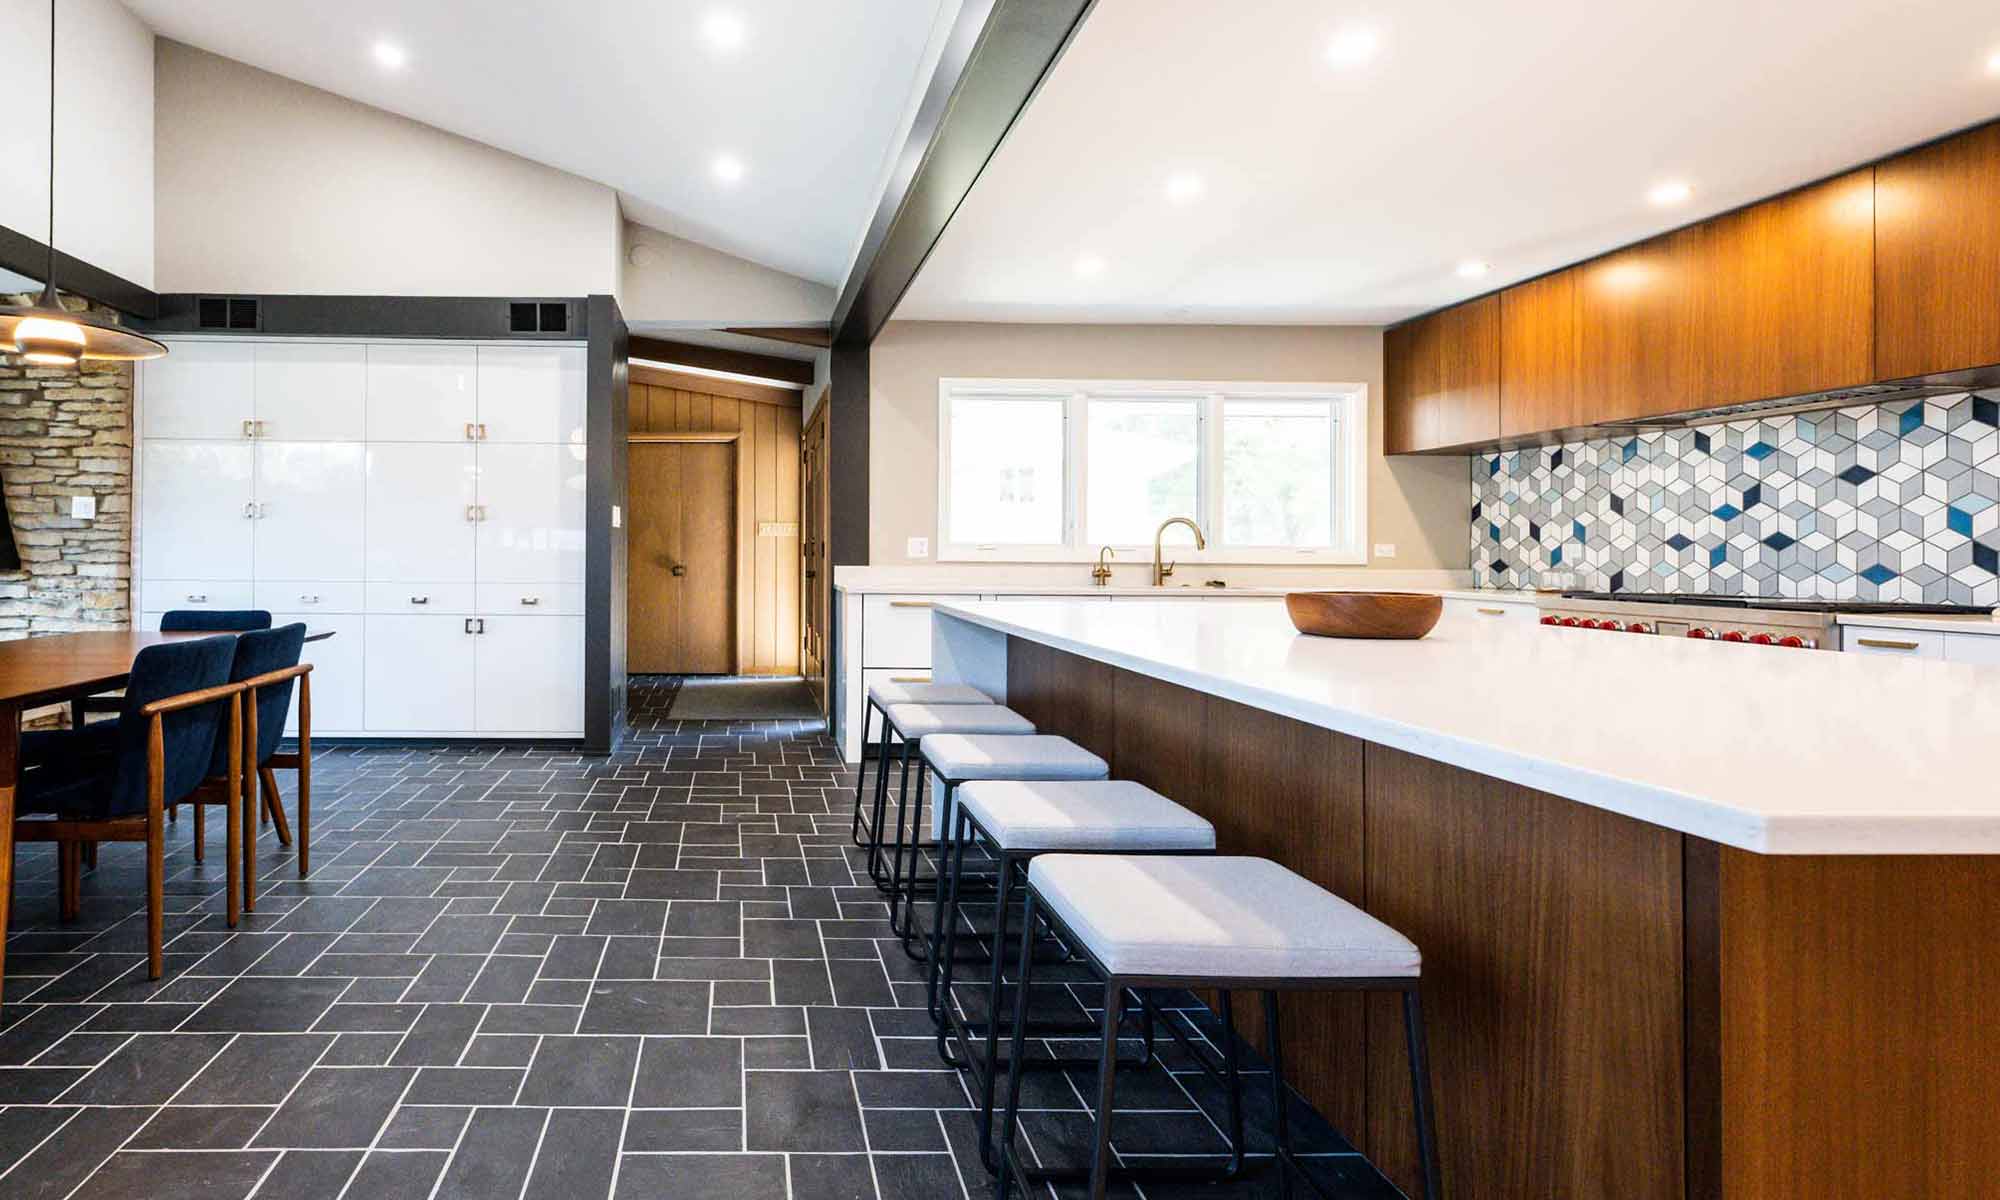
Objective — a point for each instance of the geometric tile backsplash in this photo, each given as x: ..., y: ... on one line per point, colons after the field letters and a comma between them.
x: 1898, y: 501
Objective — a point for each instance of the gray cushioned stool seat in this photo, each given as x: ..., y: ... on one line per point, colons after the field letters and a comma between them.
x: 889, y: 692
x: 1080, y: 814
x: 958, y: 756
x: 915, y: 721
x: 1217, y: 918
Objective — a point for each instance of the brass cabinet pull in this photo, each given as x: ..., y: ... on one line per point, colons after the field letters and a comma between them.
x: 909, y: 679
x: 1494, y: 612
x: 1886, y: 644
x: 910, y: 603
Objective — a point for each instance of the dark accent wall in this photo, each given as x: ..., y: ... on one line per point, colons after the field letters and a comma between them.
x: 847, y: 457
x: 372, y: 316
x: 604, y: 543
x: 24, y: 255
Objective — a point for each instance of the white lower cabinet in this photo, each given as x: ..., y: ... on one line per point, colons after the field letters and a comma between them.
x: 338, y: 673
x: 1982, y: 648
x: 421, y: 674
x: 530, y: 675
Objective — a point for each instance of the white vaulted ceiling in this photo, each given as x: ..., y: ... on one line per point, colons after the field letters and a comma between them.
x: 632, y: 94
x: 1521, y: 135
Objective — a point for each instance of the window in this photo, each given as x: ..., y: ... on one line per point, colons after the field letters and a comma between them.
x: 1049, y: 470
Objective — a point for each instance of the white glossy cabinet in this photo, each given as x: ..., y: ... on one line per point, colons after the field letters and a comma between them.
x: 531, y: 394
x: 1982, y: 648
x: 530, y: 501
x: 1893, y: 643
x: 310, y: 503
x: 201, y: 390
x: 419, y: 674
x: 311, y: 391
x: 420, y: 519
x: 420, y: 393
x: 423, y: 500
x: 196, y: 512
x: 530, y: 673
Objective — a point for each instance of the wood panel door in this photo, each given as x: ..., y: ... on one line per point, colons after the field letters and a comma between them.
x: 1937, y: 257
x: 1538, y: 392
x: 681, y: 585
x: 816, y: 581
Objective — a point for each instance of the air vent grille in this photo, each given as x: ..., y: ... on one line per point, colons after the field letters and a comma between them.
x: 226, y: 312
x: 538, y: 316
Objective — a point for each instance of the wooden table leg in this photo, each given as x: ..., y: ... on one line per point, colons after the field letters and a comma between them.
x: 10, y: 776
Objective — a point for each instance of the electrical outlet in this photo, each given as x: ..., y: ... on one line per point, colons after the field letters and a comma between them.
x: 83, y: 508
x: 1385, y: 549
x: 617, y: 516
x: 919, y: 548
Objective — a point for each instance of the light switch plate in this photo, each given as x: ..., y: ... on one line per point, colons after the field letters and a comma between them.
x: 1385, y: 549
x: 617, y: 516
x: 83, y: 508
x: 919, y: 548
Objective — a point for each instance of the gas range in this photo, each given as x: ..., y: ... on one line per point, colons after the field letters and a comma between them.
x: 1756, y: 620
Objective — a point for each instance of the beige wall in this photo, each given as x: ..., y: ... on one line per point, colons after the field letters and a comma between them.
x: 1417, y: 504
x: 266, y: 185
x: 672, y: 281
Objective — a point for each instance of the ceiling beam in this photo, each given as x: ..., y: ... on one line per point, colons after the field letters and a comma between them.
x: 24, y: 255
x: 714, y: 358
x: 994, y: 59
x: 817, y: 336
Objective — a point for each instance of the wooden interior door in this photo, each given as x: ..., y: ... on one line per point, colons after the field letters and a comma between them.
x: 681, y: 583
x: 815, y: 581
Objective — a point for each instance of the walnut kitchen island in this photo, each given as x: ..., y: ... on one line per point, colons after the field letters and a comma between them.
x: 1698, y: 919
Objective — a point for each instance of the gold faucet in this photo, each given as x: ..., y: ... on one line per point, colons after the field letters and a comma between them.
x: 1100, y: 575
x: 1162, y: 570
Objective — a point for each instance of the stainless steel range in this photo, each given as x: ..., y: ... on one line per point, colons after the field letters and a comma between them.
x: 1755, y: 620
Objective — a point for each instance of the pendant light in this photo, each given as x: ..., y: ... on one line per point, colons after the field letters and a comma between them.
x: 45, y: 334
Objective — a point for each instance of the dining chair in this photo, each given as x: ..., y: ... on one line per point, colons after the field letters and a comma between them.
x: 265, y: 666
x: 113, y: 780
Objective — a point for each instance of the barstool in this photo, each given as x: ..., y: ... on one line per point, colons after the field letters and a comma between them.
x: 911, y: 725
x: 880, y: 696
x: 1016, y: 821
x: 956, y: 758
x: 1209, y: 922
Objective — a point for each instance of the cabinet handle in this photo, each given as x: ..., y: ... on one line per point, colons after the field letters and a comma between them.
x: 263, y: 510
x: 482, y: 431
x: 468, y: 624
x: 910, y: 603
x: 420, y: 599
x: 475, y: 624
x: 195, y: 598
x: 1886, y: 644
x: 1493, y: 612
x: 471, y: 432
x: 249, y: 429
x: 249, y: 510
x: 531, y: 601
x: 909, y: 679
x: 475, y: 512
x: 259, y: 427
x: 308, y: 599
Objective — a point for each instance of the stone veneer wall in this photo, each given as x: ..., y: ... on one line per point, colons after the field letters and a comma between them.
x: 1897, y: 501
x: 66, y: 432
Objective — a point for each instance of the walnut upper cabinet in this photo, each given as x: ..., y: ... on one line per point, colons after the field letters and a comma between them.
x: 1937, y: 247
x: 1638, y: 322
x: 1442, y: 376
x: 1538, y: 357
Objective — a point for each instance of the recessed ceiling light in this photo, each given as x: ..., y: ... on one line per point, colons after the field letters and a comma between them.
x: 1669, y: 193
x: 1472, y: 268
x: 1184, y: 188
x: 1993, y: 63
x: 1089, y: 266
x: 390, y: 57
x: 724, y: 31
x: 1352, y: 47
x: 728, y: 168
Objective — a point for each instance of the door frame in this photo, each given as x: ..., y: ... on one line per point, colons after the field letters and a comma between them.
x: 739, y: 458
x: 815, y: 431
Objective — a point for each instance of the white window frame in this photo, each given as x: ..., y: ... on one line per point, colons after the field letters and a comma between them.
x: 1350, y: 453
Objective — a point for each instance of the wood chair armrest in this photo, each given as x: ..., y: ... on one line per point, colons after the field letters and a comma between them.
x: 209, y: 695
x: 269, y: 678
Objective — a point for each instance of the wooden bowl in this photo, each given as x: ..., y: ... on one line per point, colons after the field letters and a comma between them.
x: 1393, y: 615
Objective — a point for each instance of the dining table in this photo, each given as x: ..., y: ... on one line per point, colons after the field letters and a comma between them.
x: 52, y: 669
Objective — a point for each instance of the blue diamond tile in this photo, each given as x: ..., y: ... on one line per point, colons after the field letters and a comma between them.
x: 1728, y: 512
x: 1679, y: 542
x: 1910, y: 420
x: 1958, y: 520
x: 1857, y: 474
x: 1717, y: 555
x: 1986, y: 558
x: 1760, y: 451
x: 1582, y: 535
x: 1877, y: 574
x: 1984, y: 411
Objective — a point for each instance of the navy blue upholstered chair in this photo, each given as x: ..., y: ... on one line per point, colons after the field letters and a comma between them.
x: 113, y: 781
x: 213, y: 620
x: 265, y: 666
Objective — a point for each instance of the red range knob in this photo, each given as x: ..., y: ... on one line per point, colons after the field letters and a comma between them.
x: 1763, y: 639
x: 1611, y: 626
x: 1571, y: 622
x: 1638, y: 627
x: 1794, y: 641
x: 1733, y: 635
x: 1701, y: 633
x: 1552, y: 620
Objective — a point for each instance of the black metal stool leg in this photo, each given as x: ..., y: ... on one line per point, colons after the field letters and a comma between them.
x: 1107, y: 1088
x: 1017, y: 1051
x: 875, y: 871
x: 896, y: 897
x: 1420, y: 1091
x: 944, y: 939
x: 1231, y: 1067
x: 1279, y: 1100
x: 861, y: 768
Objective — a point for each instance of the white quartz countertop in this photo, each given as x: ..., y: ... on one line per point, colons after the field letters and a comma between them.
x: 1772, y: 750
x: 1941, y: 622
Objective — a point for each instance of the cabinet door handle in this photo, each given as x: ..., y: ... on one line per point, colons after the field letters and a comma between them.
x: 471, y: 432
x: 475, y: 512
x: 909, y: 679
x: 468, y: 624
x: 475, y: 624
x: 1886, y: 644
x: 1493, y: 612
x: 197, y: 598
x: 263, y: 510
x: 531, y: 601
x: 308, y: 599
x: 910, y: 603
x: 420, y: 599
x: 259, y: 427
x: 482, y: 431
x: 249, y: 510
x: 249, y: 429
